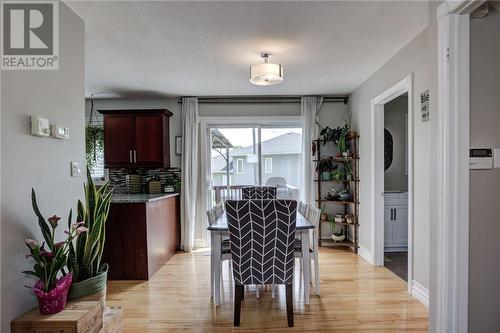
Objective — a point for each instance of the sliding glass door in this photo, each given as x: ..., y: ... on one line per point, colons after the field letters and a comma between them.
x: 281, y: 159
x: 254, y: 155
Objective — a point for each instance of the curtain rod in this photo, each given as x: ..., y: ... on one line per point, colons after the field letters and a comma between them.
x: 263, y: 99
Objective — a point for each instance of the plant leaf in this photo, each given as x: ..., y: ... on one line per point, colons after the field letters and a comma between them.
x: 44, y: 227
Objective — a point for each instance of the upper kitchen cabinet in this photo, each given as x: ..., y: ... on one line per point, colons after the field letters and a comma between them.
x: 136, y: 138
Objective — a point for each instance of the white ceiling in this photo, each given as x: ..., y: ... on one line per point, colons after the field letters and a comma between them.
x: 162, y: 48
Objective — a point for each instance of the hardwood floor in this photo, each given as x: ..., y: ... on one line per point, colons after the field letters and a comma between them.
x: 355, y: 297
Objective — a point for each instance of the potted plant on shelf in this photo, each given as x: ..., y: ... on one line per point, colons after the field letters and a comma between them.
x: 324, y: 167
x: 348, y: 171
x: 89, y: 273
x: 51, y: 289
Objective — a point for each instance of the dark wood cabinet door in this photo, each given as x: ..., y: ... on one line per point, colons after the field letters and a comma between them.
x: 149, y: 131
x: 119, y: 138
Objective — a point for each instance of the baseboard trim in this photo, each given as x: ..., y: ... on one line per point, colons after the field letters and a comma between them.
x: 366, y: 254
x: 420, y: 293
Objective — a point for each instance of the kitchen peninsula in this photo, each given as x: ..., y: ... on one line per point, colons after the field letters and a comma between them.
x: 142, y: 234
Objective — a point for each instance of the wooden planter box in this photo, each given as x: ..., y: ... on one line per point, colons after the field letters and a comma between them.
x: 113, y: 320
x: 77, y: 317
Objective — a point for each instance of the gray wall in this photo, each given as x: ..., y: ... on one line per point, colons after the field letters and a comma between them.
x: 396, y: 178
x: 42, y: 163
x: 330, y: 113
x: 417, y: 57
x: 484, y: 228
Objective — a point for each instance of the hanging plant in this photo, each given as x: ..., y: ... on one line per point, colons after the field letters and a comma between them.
x: 94, y: 138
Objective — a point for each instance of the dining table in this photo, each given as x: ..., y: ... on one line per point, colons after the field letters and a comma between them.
x: 219, y: 229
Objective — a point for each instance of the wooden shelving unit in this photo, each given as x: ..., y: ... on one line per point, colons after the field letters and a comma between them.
x: 346, y: 206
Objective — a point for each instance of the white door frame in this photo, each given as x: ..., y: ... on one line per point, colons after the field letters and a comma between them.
x: 452, y: 167
x: 377, y: 171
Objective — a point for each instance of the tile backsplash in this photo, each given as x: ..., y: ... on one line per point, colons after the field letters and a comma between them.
x: 118, y: 177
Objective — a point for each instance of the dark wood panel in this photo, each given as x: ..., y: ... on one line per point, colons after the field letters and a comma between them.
x: 162, y: 232
x: 119, y: 138
x: 149, y: 139
x: 141, y: 238
x: 125, y: 249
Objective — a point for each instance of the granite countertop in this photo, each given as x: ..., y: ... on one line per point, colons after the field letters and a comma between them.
x: 140, y: 198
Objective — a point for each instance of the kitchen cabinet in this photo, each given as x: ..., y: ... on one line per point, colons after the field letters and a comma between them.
x: 396, y: 222
x: 136, y: 138
x: 142, y: 234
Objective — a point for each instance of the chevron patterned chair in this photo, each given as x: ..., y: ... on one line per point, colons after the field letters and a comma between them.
x: 262, y: 238
x: 258, y: 192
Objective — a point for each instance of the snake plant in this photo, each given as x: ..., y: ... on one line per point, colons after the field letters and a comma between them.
x: 85, y: 255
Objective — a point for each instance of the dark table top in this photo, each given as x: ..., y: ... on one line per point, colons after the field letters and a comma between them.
x: 221, y: 223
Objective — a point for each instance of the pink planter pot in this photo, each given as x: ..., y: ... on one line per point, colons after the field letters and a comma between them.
x: 55, y: 300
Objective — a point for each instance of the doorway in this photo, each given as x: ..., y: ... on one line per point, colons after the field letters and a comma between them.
x: 396, y: 186
x: 392, y: 213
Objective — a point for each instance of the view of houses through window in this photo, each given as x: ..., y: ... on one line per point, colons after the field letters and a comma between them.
x: 247, y: 156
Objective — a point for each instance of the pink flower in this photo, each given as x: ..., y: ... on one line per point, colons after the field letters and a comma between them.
x: 79, y: 230
x: 30, y: 242
x: 74, y: 226
x: 54, y: 220
x: 46, y: 254
x: 57, y: 246
x: 28, y: 256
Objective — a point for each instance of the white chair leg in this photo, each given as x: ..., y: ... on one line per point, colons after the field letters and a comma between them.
x: 273, y: 288
x: 301, y: 264
x: 257, y: 290
x: 316, y: 272
x: 212, y: 279
x: 310, y: 271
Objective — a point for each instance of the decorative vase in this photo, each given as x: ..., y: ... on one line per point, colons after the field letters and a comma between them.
x: 338, y: 237
x: 92, y: 289
x: 53, y: 301
x: 324, y: 217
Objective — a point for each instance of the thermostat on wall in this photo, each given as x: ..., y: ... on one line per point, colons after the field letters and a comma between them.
x: 39, y: 126
x: 59, y: 132
x: 481, y: 158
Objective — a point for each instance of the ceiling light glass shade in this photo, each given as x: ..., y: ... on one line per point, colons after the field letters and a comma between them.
x: 266, y: 74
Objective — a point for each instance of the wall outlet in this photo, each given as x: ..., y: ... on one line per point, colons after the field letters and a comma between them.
x: 76, y: 169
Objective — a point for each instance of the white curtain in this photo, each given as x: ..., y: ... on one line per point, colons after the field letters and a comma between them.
x: 309, y: 110
x: 189, y: 170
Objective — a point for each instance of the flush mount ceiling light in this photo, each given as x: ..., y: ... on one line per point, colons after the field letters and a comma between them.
x: 266, y: 74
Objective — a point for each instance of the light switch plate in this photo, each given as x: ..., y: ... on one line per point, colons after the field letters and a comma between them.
x: 496, y: 158
x: 76, y: 169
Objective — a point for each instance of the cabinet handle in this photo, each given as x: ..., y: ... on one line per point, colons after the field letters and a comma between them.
x: 130, y: 156
x: 395, y: 214
x: 135, y: 156
x: 392, y: 214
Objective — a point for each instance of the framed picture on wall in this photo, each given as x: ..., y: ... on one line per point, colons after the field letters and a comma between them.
x: 178, y: 145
